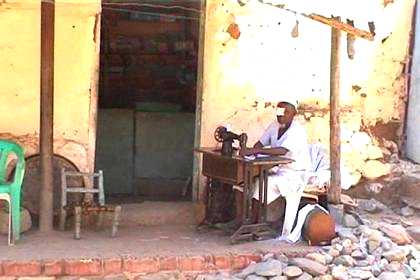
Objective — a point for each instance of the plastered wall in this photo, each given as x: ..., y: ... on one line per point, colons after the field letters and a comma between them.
x: 279, y: 53
x: 75, y: 60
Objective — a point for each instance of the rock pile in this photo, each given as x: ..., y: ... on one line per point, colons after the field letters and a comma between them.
x: 362, y: 252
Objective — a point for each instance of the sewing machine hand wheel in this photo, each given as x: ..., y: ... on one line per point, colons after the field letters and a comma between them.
x: 219, y: 132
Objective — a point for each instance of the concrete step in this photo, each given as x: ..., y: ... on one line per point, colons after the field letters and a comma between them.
x: 153, y: 213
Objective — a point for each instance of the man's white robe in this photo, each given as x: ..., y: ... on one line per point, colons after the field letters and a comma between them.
x: 288, y: 180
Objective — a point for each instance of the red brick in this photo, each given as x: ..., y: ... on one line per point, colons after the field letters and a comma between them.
x: 112, y: 266
x: 1, y: 269
x: 144, y: 265
x: 82, y: 267
x: 52, y: 268
x: 32, y: 278
x: 193, y: 263
x: 25, y: 268
x: 239, y: 261
x: 223, y: 262
x: 168, y: 263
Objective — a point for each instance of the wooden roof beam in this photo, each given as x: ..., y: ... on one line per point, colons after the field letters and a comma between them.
x: 342, y: 26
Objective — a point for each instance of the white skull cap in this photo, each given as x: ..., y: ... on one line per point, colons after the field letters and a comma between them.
x: 290, y: 100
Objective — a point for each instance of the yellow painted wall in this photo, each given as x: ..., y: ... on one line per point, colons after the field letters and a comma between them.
x: 240, y: 76
x: 20, y: 73
x: 267, y: 63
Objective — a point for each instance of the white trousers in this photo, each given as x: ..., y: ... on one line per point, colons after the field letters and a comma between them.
x: 289, y: 184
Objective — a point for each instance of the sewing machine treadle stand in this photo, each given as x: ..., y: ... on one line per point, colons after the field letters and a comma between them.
x: 236, y: 170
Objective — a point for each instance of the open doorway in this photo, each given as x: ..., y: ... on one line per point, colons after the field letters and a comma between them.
x: 147, y: 97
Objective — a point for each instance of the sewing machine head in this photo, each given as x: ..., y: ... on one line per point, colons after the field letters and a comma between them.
x: 227, y: 137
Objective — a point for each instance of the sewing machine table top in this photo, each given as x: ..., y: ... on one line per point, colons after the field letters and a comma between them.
x: 230, y: 169
x: 257, y: 161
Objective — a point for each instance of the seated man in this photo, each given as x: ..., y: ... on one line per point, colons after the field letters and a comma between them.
x: 285, y: 136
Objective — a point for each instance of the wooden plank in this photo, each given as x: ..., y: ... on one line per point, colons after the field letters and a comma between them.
x: 82, y: 190
x: 337, y: 24
x: 82, y: 174
x: 46, y: 118
x: 334, y: 190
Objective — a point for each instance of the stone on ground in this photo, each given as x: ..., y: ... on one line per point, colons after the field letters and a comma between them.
x: 387, y: 245
x: 392, y: 276
x: 407, y: 211
x: 269, y: 268
x: 281, y: 257
x: 362, y: 263
x: 396, y: 233
x: 246, y: 271
x: 414, y: 232
x: 293, y: 271
x: 340, y: 272
x: 370, y: 205
x: 359, y: 273
x: 358, y: 255
x: 255, y: 277
x: 325, y: 277
x: 279, y: 278
x: 397, y: 254
x: 411, y: 201
x: 312, y: 267
x: 334, y: 252
x: 317, y: 257
x: 345, y: 260
x: 304, y: 276
x: 350, y: 221
x: 346, y: 233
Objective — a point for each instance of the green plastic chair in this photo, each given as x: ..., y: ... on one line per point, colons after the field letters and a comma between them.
x: 12, y: 188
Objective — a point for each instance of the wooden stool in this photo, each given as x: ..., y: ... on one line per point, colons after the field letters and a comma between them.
x: 87, y: 206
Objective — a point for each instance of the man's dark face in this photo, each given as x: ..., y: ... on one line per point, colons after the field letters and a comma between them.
x: 288, y: 114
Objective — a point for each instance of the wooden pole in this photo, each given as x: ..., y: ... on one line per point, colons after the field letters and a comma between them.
x: 46, y: 118
x: 93, y: 102
x: 334, y: 191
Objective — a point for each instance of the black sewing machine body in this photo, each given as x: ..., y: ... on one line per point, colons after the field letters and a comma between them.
x: 227, y: 137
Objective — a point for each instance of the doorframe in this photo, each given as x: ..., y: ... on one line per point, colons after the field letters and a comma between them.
x: 197, y: 164
x: 94, y: 94
x: 408, y: 72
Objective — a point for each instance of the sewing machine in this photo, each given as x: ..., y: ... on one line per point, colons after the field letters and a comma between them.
x: 226, y: 137
x: 233, y: 169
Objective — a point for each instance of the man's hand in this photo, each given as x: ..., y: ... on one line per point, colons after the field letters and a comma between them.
x: 266, y: 151
x: 280, y: 151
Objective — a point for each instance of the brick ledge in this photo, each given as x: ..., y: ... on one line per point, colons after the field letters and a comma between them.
x: 141, y: 265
